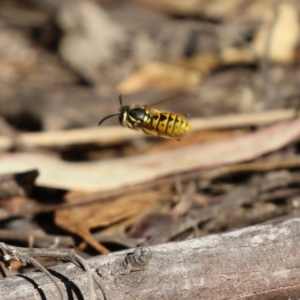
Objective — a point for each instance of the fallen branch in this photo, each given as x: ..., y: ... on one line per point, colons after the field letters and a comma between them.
x: 258, y: 262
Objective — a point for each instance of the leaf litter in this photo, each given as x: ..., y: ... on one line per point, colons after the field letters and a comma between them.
x: 112, y: 188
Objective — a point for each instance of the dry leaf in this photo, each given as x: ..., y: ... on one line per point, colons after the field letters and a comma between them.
x: 215, y: 8
x: 180, y: 74
x: 234, y: 55
x: 161, y: 75
x: 107, y: 175
x: 284, y: 36
x: 185, y: 74
x: 80, y: 219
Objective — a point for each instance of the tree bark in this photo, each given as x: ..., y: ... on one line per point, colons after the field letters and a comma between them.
x: 257, y: 262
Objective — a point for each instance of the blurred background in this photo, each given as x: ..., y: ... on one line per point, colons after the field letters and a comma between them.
x: 231, y: 67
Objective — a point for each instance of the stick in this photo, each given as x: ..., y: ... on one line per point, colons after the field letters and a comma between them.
x: 258, y: 262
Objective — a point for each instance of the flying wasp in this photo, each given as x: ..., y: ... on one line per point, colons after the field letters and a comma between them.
x: 151, y: 121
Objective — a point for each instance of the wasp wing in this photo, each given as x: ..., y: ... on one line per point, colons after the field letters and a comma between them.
x: 169, y: 98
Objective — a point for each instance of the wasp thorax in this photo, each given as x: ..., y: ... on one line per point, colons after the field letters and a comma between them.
x: 137, y: 114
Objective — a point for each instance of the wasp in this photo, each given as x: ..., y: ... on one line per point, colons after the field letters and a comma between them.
x: 151, y: 120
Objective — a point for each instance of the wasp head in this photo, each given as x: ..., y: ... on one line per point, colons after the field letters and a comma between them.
x: 122, y: 113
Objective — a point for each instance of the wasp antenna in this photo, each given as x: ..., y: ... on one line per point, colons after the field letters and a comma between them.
x: 120, y: 99
x: 107, y: 118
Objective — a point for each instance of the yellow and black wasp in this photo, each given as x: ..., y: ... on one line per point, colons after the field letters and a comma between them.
x: 151, y: 121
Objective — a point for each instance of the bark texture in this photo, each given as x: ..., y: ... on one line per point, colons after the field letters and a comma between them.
x: 258, y: 262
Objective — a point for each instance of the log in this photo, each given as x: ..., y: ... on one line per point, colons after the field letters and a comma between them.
x: 257, y: 262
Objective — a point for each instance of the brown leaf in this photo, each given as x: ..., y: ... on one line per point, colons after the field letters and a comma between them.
x: 150, y: 225
x: 81, y: 219
x: 284, y: 36
x: 108, y: 175
x: 161, y: 75
x: 181, y: 74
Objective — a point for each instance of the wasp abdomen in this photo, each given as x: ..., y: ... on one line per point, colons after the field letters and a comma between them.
x: 170, y: 123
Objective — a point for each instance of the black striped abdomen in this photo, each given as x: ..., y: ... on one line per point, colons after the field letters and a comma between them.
x: 170, y: 123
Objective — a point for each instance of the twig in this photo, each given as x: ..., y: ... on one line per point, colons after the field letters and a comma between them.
x: 225, y: 210
x: 263, y: 166
x: 16, y: 253
x: 44, y: 270
x: 27, y: 255
x: 57, y: 241
x: 91, y: 276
